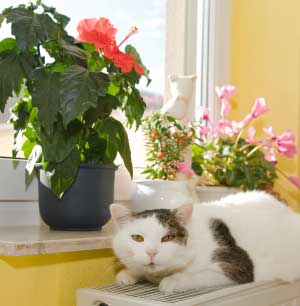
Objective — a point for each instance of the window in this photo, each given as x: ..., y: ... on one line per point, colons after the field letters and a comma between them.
x: 176, y: 36
x: 213, y: 52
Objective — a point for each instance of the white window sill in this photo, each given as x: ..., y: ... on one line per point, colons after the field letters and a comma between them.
x: 33, y: 240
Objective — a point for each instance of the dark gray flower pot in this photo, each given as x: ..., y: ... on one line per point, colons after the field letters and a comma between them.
x: 85, y: 206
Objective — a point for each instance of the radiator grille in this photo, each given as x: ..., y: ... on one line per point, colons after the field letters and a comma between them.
x: 151, y: 292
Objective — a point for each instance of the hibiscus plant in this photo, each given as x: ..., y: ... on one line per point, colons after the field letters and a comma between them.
x: 224, y: 155
x: 67, y: 89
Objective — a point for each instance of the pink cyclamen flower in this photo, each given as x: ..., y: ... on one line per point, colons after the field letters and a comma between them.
x: 269, y: 131
x: 227, y: 128
x: 203, y: 131
x: 294, y: 180
x: 184, y: 168
x: 270, y: 155
x: 286, y: 144
x: 204, y: 114
x: 224, y: 127
x: 259, y: 108
x: 251, y: 134
x: 225, y: 93
x: 225, y: 108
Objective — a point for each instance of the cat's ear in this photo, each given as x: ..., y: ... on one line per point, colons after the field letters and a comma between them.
x: 184, y: 213
x: 120, y: 214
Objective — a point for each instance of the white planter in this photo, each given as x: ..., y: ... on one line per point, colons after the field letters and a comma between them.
x: 214, y: 193
x: 155, y: 194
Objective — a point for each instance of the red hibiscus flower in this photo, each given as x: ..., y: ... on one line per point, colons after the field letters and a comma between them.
x: 99, y: 32
x: 102, y: 34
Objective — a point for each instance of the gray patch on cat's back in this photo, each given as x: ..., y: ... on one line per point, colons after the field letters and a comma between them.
x: 168, y: 219
x: 232, y: 259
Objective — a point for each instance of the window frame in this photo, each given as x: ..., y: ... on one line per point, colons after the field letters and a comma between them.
x: 203, y: 27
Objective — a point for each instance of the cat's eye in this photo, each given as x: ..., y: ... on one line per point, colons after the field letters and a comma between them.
x: 168, y: 238
x: 137, y: 238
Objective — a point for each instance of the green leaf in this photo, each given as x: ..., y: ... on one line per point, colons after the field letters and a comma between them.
x: 113, y: 89
x: 103, y: 109
x: 58, y: 145
x: 94, y: 150
x: 30, y: 29
x: 8, y: 44
x: 46, y: 97
x: 2, y: 17
x: 129, y: 49
x: 27, y: 147
x: 134, y: 107
x: 19, y: 67
x: 80, y: 91
x: 60, y: 18
x: 74, y: 50
x: 64, y: 173
x: 118, y: 137
x: 33, y: 158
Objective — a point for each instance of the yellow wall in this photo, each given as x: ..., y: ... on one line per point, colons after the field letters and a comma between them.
x: 51, y: 280
x: 265, y: 62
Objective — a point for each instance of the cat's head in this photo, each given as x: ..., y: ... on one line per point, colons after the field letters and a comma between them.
x: 182, y: 85
x: 152, y: 241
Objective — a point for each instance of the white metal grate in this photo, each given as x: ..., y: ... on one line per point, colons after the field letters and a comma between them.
x: 276, y: 293
x: 151, y: 292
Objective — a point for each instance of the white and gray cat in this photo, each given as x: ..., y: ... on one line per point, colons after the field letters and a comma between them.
x: 242, y: 238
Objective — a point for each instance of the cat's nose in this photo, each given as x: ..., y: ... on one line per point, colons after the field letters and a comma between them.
x: 151, y: 252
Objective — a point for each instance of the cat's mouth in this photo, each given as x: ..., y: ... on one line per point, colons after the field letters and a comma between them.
x: 150, y: 265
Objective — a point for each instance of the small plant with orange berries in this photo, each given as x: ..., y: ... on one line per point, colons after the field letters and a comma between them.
x: 167, y: 141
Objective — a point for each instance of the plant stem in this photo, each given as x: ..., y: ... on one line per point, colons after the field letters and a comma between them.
x: 238, y: 138
x: 254, y: 150
x: 282, y: 173
x: 245, y: 147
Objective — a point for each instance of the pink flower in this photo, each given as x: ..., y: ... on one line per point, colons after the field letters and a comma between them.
x: 259, y: 108
x: 269, y: 131
x: 224, y: 127
x: 251, y: 134
x: 184, y: 168
x: 225, y: 108
x: 204, y: 114
x: 229, y: 128
x: 225, y: 93
x: 286, y: 144
x: 236, y: 127
x: 294, y: 180
x: 204, y: 130
x: 270, y: 155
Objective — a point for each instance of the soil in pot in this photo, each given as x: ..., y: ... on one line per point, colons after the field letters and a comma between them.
x: 85, y: 206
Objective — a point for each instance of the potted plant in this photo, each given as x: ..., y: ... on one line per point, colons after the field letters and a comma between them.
x: 63, y: 121
x: 166, y: 183
x: 229, y: 155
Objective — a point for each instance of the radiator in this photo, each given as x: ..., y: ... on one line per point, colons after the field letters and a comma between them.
x: 275, y: 293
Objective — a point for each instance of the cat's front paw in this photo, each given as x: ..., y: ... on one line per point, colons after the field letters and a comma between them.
x: 125, y: 278
x: 173, y: 283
